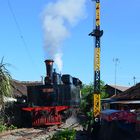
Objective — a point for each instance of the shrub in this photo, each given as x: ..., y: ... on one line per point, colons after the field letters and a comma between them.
x: 66, y: 134
x: 3, y: 127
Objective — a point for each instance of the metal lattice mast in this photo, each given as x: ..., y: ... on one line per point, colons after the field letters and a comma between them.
x: 97, y: 33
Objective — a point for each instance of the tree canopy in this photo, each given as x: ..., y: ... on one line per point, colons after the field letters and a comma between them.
x: 88, y: 89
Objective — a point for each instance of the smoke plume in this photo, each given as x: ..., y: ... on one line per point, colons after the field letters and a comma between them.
x: 58, y: 18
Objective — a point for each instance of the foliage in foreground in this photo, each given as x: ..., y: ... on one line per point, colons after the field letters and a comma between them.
x: 67, y: 134
x: 3, y: 127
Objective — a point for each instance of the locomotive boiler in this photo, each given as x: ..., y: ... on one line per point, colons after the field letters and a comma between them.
x: 48, y: 102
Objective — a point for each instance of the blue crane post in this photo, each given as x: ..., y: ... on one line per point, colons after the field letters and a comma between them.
x: 97, y: 33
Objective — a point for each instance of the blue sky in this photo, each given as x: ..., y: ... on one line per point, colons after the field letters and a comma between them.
x: 120, y: 21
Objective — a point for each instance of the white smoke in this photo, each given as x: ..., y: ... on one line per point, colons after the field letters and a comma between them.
x: 58, y: 60
x: 58, y: 17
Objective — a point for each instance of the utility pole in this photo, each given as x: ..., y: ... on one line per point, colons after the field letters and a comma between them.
x: 116, y: 60
x: 134, y: 78
x: 97, y: 33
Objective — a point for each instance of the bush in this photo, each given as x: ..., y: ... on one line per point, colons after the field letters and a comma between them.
x: 3, y: 127
x: 65, y: 135
x: 12, y: 127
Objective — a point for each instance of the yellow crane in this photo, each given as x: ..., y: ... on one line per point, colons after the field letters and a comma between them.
x: 97, y: 33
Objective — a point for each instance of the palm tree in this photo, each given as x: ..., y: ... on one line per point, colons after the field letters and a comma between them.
x: 5, y: 82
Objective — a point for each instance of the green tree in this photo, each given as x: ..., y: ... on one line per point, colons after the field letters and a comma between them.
x: 87, y: 94
x: 5, y: 82
x: 87, y: 101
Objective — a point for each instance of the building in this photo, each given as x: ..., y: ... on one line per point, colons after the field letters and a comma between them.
x: 133, y: 93
x: 19, y: 88
x: 112, y: 89
x: 129, y: 99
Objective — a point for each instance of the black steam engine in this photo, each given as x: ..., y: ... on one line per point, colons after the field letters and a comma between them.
x: 47, y: 103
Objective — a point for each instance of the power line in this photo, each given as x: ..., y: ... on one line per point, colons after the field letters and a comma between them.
x: 20, y: 33
x: 14, y: 17
x: 19, y: 30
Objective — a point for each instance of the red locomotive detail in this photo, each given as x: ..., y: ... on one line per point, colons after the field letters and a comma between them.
x: 46, y: 115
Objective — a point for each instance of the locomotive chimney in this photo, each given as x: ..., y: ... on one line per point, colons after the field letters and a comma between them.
x: 49, y: 69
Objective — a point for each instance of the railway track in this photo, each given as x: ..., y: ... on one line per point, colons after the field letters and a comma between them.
x: 43, y: 133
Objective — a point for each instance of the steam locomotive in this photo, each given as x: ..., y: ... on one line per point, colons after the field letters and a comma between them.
x: 49, y: 104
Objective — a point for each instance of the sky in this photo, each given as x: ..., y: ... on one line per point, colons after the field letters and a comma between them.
x: 22, y: 39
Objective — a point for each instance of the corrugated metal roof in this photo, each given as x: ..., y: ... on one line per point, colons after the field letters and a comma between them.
x: 126, y: 102
x: 110, y: 111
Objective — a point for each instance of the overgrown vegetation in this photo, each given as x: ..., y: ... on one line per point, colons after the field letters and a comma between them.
x: 67, y: 134
x: 87, y: 103
x: 5, y: 91
x: 5, y: 80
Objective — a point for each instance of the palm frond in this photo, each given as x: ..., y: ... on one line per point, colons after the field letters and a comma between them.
x: 5, y: 80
